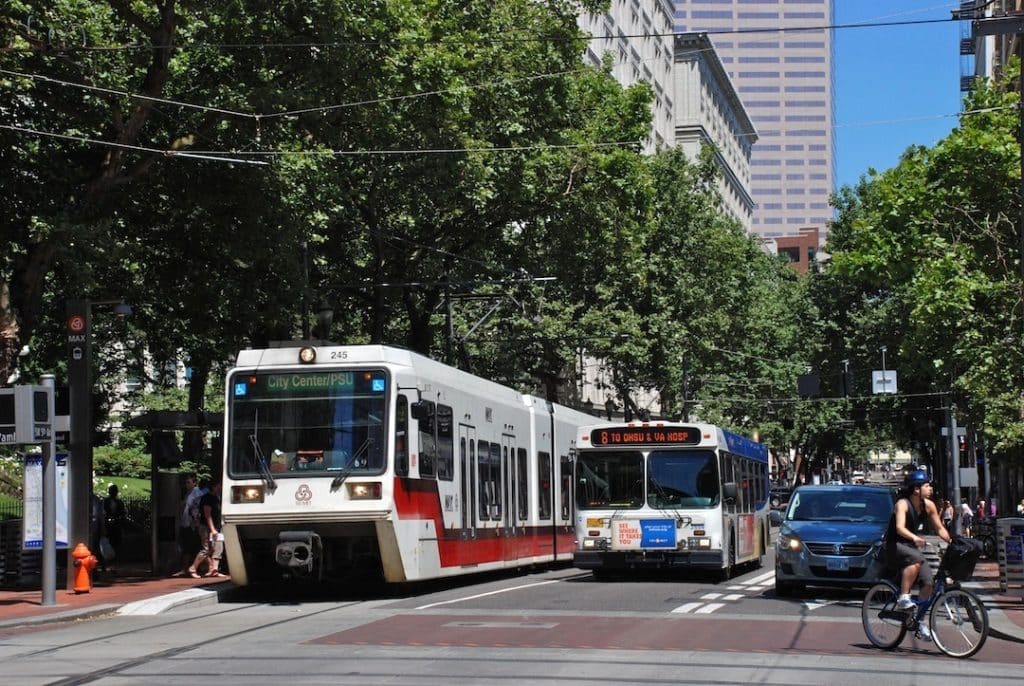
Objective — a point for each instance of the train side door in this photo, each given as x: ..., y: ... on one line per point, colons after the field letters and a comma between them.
x: 467, y: 478
x: 508, y: 490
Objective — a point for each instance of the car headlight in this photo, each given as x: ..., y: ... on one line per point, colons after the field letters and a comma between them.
x: 790, y: 542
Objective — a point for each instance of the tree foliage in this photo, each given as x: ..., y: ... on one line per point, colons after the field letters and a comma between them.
x: 227, y: 167
x: 926, y: 262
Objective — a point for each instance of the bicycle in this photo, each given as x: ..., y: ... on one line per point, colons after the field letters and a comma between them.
x: 956, y: 617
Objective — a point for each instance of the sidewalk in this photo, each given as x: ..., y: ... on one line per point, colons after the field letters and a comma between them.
x: 1005, y: 612
x: 131, y: 590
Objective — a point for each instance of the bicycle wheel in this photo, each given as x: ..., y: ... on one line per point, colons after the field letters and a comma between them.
x: 959, y: 623
x: 883, y: 621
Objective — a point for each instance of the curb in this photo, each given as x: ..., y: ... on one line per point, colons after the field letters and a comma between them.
x: 197, y: 597
x: 64, y: 616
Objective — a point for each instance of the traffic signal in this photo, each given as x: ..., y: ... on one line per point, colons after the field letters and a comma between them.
x: 846, y: 380
x: 962, y: 443
x: 808, y: 385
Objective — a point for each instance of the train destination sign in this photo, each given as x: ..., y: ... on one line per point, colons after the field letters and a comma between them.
x: 308, y: 383
x: 645, y: 435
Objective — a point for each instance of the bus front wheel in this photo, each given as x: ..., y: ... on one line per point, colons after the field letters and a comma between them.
x: 730, y: 562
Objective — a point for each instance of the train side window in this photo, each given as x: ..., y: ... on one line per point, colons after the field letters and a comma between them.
x: 544, y: 485
x: 445, y: 444
x: 428, y: 446
x: 483, y: 471
x: 402, y: 436
x: 497, y: 490
x: 522, y: 485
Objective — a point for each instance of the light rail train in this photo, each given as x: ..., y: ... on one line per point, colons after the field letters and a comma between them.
x: 367, y: 460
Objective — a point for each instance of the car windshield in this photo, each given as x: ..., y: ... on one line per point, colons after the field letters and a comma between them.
x: 839, y: 506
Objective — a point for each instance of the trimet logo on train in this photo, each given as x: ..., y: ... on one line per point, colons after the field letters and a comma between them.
x: 303, y: 495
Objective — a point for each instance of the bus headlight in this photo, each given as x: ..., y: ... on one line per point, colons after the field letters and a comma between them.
x: 364, y: 491
x: 247, y: 494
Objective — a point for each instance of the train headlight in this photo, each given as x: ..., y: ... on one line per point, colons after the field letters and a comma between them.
x: 247, y: 494
x: 695, y: 542
x: 363, y: 491
x: 307, y: 355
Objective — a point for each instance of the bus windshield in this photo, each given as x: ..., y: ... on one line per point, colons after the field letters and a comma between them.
x: 611, y: 480
x: 682, y: 478
x: 302, y: 421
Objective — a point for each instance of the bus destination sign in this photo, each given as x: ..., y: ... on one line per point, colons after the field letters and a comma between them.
x: 645, y: 435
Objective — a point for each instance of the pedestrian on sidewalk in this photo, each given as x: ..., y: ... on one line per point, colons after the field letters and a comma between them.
x: 966, y: 518
x: 210, y: 536
x: 188, y: 524
x: 113, y: 521
x: 947, y: 515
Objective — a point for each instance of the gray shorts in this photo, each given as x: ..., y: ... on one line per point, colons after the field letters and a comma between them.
x: 905, y: 555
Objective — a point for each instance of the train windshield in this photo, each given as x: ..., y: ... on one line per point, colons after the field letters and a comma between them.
x: 291, y: 423
x: 610, y: 480
x: 682, y: 478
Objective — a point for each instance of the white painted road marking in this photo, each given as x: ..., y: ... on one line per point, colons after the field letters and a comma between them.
x: 482, y: 595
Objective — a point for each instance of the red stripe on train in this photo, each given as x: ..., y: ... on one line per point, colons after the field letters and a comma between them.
x: 420, y: 499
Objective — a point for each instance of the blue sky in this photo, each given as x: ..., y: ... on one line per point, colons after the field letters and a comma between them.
x: 907, y: 76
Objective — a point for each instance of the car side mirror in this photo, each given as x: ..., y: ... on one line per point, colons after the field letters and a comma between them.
x: 775, y: 517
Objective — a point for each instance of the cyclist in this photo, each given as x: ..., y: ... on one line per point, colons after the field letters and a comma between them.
x: 903, y: 544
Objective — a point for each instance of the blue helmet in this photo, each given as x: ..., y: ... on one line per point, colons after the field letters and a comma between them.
x: 918, y: 477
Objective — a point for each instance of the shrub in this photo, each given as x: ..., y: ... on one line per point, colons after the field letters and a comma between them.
x: 132, y: 462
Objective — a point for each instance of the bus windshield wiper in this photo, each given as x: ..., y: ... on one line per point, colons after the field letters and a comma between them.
x: 665, y: 504
x: 261, y: 464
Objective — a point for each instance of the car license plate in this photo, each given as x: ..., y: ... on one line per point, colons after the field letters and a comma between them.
x: 837, y: 564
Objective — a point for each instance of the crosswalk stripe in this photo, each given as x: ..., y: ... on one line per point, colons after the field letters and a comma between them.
x: 708, y: 609
x: 688, y: 607
x: 760, y: 579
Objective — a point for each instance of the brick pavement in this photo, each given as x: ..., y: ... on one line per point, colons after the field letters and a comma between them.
x: 132, y: 585
x: 110, y: 592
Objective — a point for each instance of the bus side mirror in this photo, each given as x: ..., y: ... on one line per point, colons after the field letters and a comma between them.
x: 729, y: 490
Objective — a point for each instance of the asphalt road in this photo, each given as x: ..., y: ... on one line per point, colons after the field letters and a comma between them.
x: 550, y: 627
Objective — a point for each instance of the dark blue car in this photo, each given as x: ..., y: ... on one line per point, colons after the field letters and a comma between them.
x: 832, y: 536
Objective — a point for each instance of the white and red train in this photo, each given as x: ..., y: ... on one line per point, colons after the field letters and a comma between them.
x: 359, y: 460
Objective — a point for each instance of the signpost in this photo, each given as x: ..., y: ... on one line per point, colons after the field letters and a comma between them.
x: 30, y: 410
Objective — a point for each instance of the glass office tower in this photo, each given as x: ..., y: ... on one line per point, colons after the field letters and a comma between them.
x: 785, y: 81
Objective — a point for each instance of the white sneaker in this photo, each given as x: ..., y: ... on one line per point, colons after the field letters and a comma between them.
x: 905, y: 603
x: 924, y: 633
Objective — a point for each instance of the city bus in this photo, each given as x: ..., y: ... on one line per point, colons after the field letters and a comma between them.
x: 370, y: 462
x: 669, y: 495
